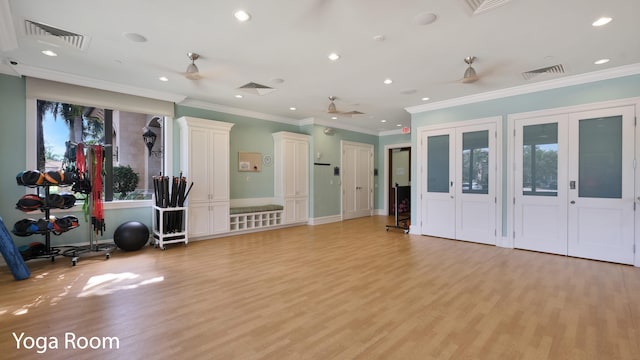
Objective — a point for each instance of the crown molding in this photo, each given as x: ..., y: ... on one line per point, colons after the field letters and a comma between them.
x: 46, y: 74
x: 606, y: 74
x: 205, y: 105
x: 8, y: 38
x: 391, y: 132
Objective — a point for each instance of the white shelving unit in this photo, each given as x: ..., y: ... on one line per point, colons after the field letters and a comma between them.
x: 256, y: 220
x: 159, y: 236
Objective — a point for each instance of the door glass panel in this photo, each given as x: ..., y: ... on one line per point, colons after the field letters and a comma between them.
x: 540, y: 160
x: 600, y: 158
x: 475, y: 162
x: 438, y: 163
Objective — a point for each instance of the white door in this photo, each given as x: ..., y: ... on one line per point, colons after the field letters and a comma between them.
x: 357, y: 180
x: 601, y: 185
x: 459, y: 195
x: 540, y: 184
x: 475, y: 194
x: 438, y: 203
x: 574, y: 184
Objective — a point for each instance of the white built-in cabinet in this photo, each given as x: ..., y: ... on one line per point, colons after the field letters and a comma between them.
x: 204, y: 160
x: 291, y: 168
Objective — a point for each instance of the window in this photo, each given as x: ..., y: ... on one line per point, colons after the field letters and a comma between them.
x: 475, y: 162
x: 540, y: 160
x: 59, y: 126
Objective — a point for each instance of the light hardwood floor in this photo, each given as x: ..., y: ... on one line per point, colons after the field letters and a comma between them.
x: 345, y: 290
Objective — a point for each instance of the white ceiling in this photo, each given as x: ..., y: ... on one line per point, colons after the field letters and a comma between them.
x: 290, y: 40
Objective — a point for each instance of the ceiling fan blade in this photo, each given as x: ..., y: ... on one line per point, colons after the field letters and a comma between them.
x: 353, y: 113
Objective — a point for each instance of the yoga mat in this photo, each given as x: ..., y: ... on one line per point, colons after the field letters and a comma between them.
x: 11, y: 255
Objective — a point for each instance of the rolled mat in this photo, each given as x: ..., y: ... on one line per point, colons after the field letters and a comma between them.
x: 11, y: 255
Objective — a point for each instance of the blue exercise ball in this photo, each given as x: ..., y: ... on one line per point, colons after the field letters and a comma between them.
x: 131, y: 236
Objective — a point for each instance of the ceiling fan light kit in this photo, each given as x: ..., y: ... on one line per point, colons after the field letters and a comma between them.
x: 469, y: 74
x: 332, y: 105
x: 192, y: 72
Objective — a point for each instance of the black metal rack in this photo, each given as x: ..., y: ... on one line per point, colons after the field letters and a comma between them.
x: 402, y: 208
x: 48, y: 251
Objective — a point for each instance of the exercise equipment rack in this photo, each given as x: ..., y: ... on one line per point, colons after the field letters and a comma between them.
x: 401, y: 222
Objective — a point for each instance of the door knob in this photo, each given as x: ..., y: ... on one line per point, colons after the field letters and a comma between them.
x: 573, y: 201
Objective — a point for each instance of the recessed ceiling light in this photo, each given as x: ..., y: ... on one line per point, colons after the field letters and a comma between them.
x: 388, y: 81
x: 425, y: 99
x: 398, y: 125
x: 242, y: 15
x: 163, y: 78
x: 238, y: 96
x: 334, y: 56
x: 379, y: 38
x: 601, y: 61
x: 602, y: 21
x: 334, y: 118
x: 292, y: 108
x: 383, y: 120
x: 49, y: 53
x: 135, y: 37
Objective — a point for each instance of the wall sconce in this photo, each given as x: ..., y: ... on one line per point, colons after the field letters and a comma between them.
x: 149, y: 138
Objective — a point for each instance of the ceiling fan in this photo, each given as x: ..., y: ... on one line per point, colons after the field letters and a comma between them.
x: 333, y: 110
x: 192, y: 72
x: 470, y: 74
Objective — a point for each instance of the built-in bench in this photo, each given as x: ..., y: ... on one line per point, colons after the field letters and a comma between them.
x: 244, y: 218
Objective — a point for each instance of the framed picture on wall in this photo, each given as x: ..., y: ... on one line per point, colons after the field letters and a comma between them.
x: 249, y: 161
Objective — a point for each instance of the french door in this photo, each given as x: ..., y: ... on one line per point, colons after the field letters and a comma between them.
x: 459, y: 194
x: 540, y: 212
x: 574, y: 184
x: 601, y: 185
x: 357, y: 180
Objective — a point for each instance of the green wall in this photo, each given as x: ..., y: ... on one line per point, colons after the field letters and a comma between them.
x: 12, y: 145
x: 326, y: 186
x: 605, y: 90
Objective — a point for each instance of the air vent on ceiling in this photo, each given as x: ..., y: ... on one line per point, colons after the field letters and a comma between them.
x: 69, y: 38
x: 255, y: 88
x: 480, y: 6
x: 550, y: 70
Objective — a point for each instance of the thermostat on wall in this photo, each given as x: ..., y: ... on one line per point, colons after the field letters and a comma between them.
x: 267, y: 160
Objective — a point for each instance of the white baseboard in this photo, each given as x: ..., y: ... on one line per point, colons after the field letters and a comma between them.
x: 325, y: 220
x: 504, y: 242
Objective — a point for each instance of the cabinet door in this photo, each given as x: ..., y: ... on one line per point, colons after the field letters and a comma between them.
x: 220, y: 220
x: 218, y: 157
x: 289, y: 213
x: 199, y: 220
x: 289, y: 156
x: 301, y: 210
x: 301, y: 168
x: 199, y: 165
